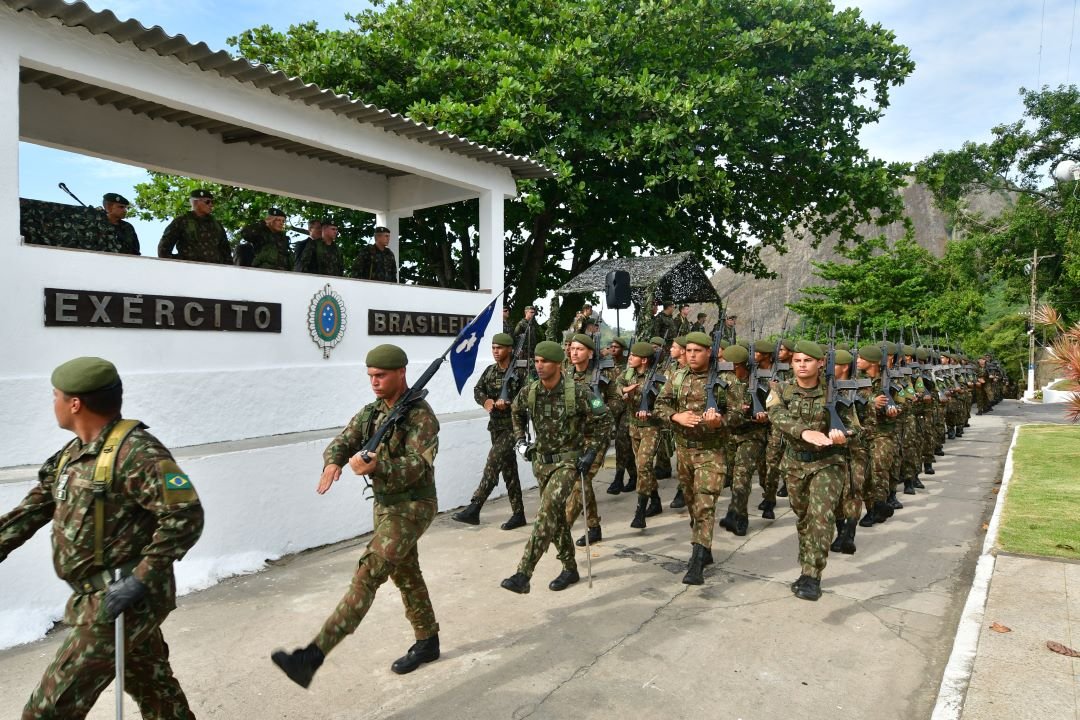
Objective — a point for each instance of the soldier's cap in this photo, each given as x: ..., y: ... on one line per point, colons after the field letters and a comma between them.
x: 736, y: 354
x: 328, y: 222
x: 584, y: 340
x: 788, y: 344
x: 550, y: 351
x: 870, y: 353
x: 744, y: 343
x: 387, y: 357
x: 843, y: 357
x: 619, y: 341
x: 764, y: 347
x: 642, y: 349
x: 275, y: 212
x: 922, y: 354
x: 114, y: 198
x: 699, y: 338
x: 843, y: 346
x: 724, y: 344
x: 85, y: 375
x: 657, y: 340
x: 732, y: 316
x: 700, y: 316
x: 681, y: 341
x: 202, y: 194
x: 811, y: 348
x: 891, y: 348
x: 382, y: 229
x: 503, y: 339
x: 908, y: 350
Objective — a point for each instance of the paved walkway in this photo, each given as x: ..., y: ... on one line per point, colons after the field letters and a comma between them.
x: 638, y: 644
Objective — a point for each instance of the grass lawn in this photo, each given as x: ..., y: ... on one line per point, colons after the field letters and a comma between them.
x: 1042, y: 511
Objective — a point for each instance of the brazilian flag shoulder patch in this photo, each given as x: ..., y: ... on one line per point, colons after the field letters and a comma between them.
x: 597, y: 405
x: 175, y: 484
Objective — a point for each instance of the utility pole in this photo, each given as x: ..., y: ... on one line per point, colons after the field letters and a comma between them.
x: 1035, y: 258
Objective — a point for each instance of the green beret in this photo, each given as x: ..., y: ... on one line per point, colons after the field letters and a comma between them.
x: 85, y: 375
x: 890, y: 348
x: 811, y: 348
x: 387, y: 357
x: 114, y: 197
x: 657, y: 340
x: 681, y: 341
x: 202, y: 194
x: 620, y: 341
x: 699, y: 338
x: 843, y: 346
x: 843, y: 357
x: 736, y: 354
x: 922, y: 354
x: 908, y: 349
x: 275, y: 212
x: 763, y: 346
x: 550, y: 351
x: 870, y: 353
x: 584, y: 340
x: 503, y: 339
x: 789, y: 344
x: 642, y: 349
x: 744, y: 343
x: 724, y: 344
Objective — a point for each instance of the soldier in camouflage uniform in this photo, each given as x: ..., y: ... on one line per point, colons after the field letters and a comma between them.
x: 126, y: 240
x: 682, y: 322
x: 268, y: 241
x: 664, y: 450
x: 982, y: 386
x: 376, y: 262
x: 572, y: 429
x: 624, y: 449
x: 699, y: 325
x: 747, y: 439
x: 699, y: 447
x: 402, y: 475
x: 880, y: 427
x: 644, y: 428
x: 531, y: 329
x: 322, y: 255
x: 665, y: 325
x: 774, y: 447
x: 814, y: 463
x: 488, y: 394
x: 196, y: 235
x: 849, y: 507
x: 151, y: 518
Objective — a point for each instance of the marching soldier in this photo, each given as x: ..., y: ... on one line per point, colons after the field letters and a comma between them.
x: 572, y: 428
x: 531, y: 329
x: 880, y: 428
x: 488, y: 394
x: 402, y: 474
x: 748, y: 439
x: 153, y: 516
x: 644, y: 429
x: 624, y: 451
x: 196, y: 235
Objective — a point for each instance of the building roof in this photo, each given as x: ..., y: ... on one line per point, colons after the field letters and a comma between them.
x: 155, y: 39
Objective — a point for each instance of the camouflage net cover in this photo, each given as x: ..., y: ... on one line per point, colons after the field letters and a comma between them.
x: 49, y: 223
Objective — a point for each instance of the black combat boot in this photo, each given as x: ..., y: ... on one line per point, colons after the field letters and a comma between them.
x: 893, y: 501
x: 518, y: 582
x: 696, y: 567
x: 639, y: 514
x: 882, y: 511
x: 300, y: 665
x: 761, y: 505
x: 917, y: 483
x: 595, y: 536
x: 566, y: 579
x: 959, y: 431
x: 661, y: 473
x: 616, y: 485
x: 516, y: 520
x: 678, y: 502
x: 868, y: 519
x: 767, y: 509
x: 742, y: 524
x: 728, y: 521
x: 847, y: 540
x: 909, y: 487
x: 951, y: 433
x: 809, y: 590
x: 799, y: 583
x: 469, y: 515
x: 782, y: 492
x: 835, y: 547
x: 631, y: 480
x: 655, y: 506
x: 422, y: 651
x: 708, y: 557
x: 928, y: 468
x: 939, y: 451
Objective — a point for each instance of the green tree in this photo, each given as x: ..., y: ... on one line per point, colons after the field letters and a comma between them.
x: 670, y: 124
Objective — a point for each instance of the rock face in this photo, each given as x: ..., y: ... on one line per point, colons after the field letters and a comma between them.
x: 765, y: 301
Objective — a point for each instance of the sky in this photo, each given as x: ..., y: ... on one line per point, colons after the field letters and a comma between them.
x: 971, y: 57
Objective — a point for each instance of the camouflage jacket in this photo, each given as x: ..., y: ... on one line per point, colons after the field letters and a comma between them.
x: 374, y: 264
x: 322, y: 259
x: 691, y: 397
x: 194, y: 238
x: 152, y: 517
x: 663, y: 326
x: 609, y: 391
x: 558, y: 429
x: 794, y: 410
x: 488, y: 387
x: 126, y: 239
x: 739, y: 416
x: 877, y: 421
x: 272, y: 249
x: 632, y: 399
x: 406, y: 457
x: 535, y: 335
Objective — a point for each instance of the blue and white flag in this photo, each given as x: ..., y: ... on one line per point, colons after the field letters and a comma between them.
x: 463, y: 358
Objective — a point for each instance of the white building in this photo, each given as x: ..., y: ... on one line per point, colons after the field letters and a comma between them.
x: 247, y: 413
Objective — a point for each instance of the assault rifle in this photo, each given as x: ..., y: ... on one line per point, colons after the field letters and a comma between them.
x: 883, y: 372
x: 754, y: 384
x: 712, y: 402
x: 851, y: 387
x: 599, y: 364
x: 511, y: 369
x: 653, y: 382
x: 777, y: 366
x: 835, y: 423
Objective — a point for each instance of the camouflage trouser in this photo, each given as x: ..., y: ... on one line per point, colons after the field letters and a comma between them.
x: 939, y: 423
x: 954, y: 412
x: 884, y: 466
x: 704, y: 471
x: 555, y: 481
x: 85, y: 665
x: 774, y: 452
x: 645, y: 439
x: 910, y: 449
x: 749, y: 449
x: 391, y: 553
x: 501, y: 459
x: 664, y: 452
x: 853, y: 488
x: 982, y: 397
x: 624, y: 449
x: 573, y: 504
x: 813, y: 498
x: 927, y: 429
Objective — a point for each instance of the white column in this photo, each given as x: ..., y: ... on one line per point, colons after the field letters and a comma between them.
x: 392, y: 221
x: 492, y: 239
x: 9, y: 152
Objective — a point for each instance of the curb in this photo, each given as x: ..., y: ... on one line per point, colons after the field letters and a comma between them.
x: 957, y: 675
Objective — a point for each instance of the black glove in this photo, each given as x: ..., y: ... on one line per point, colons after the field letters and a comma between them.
x: 123, y: 594
x: 586, y: 461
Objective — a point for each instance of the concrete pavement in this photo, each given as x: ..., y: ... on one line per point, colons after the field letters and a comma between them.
x: 638, y: 644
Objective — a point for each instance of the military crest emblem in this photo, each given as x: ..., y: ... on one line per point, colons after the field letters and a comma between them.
x: 327, y: 319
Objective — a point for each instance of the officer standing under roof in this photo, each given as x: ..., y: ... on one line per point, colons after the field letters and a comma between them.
x: 196, y: 235
x: 126, y: 241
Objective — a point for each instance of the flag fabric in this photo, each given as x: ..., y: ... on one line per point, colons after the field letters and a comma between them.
x: 463, y: 357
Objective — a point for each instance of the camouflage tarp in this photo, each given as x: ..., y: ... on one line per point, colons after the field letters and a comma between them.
x: 675, y: 278
x: 49, y: 223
